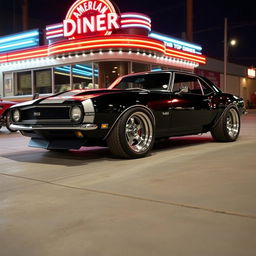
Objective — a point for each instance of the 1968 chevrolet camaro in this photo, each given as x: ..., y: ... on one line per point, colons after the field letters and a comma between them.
x: 129, y: 115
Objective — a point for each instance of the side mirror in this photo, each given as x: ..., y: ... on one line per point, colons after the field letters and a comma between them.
x: 36, y: 96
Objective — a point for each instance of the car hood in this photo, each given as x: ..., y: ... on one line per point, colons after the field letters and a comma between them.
x: 73, y: 95
x: 77, y: 95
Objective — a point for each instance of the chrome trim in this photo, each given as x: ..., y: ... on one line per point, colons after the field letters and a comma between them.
x: 89, y: 111
x: 139, y: 132
x: 134, y: 106
x: 82, y: 127
x: 232, y: 123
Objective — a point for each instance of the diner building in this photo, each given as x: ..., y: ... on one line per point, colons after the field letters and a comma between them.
x: 90, y: 48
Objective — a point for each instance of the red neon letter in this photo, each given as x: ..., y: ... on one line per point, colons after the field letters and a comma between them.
x: 69, y: 27
x: 112, y: 21
x: 89, y: 24
x: 101, y: 20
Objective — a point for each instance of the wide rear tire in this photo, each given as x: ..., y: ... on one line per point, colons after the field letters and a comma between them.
x: 133, y: 134
x: 227, y: 128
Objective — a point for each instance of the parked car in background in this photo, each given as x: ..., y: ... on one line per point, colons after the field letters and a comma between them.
x: 5, y: 119
x: 129, y: 115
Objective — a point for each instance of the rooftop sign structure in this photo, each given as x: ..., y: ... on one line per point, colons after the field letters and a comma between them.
x: 91, y: 18
x: 96, y: 27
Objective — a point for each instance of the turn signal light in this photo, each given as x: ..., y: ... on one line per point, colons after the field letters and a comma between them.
x: 79, y: 134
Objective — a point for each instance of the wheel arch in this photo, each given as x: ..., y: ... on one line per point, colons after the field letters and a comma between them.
x: 231, y: 105
x: 125, y: 111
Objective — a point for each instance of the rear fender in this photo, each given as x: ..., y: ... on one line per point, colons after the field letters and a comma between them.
x: 224, y: 111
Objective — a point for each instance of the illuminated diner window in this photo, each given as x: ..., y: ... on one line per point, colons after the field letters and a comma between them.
x: 8, y: 85
x: 43, y: 81
x: 23, y: 83
x: 62, y: 78
x: 84, y: 76
x: 140, y: 67
x: 109, y: 71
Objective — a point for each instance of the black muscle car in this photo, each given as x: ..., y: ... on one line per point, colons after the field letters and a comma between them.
x: 129, y: 115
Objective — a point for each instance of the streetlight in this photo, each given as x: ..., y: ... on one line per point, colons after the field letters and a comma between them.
x: 232, y: 42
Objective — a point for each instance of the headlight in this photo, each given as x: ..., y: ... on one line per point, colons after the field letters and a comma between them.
x: 16, y: 115
x: 76, y: 113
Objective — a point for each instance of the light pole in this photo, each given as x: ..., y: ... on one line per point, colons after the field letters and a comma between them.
x: 225, y: 52
x: 227, y: 43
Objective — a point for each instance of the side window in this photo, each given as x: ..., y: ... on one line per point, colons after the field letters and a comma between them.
x: 189, y: 84
x: 206, y: 89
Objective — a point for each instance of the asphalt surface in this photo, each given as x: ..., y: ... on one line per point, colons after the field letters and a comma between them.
x: 191, y: 196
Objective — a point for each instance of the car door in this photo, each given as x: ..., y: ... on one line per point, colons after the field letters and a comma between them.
x: 190, y: 104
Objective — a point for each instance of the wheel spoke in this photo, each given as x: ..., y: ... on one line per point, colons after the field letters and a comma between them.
x: 232, y: 123
x: 139, y: 132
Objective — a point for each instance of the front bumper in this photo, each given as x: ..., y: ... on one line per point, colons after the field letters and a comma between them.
x: 82, y: 127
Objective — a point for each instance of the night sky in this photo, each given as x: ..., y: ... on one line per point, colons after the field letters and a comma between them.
x: 168, y: 17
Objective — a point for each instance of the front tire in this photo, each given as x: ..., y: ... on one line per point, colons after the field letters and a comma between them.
x: 133, y: 135
x: 227, y: 128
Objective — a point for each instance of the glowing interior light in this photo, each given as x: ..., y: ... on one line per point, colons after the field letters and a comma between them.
x: 251, y: 72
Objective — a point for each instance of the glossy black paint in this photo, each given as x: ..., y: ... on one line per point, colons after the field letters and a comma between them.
x: 175, y: 114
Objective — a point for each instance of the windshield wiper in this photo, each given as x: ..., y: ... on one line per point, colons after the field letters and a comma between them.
x: 140, y: 89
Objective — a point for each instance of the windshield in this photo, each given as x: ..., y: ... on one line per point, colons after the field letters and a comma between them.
x: 152, y: 82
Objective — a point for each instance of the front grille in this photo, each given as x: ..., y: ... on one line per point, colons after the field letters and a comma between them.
x: 45, y: 114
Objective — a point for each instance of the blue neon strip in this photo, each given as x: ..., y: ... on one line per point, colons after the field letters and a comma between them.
x: 156, y: 69
x: 65, y: 69
x: 75, y: 71
x: 17, y: 37
x: 54, y: 27
x: 19, y: 41
x: 78, y: 71
x: 175, y: 41
x: 86, y: 68
x: 54, y: 36
x: 18, y: 45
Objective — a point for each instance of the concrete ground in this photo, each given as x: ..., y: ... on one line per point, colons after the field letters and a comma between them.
x: 191, y: 196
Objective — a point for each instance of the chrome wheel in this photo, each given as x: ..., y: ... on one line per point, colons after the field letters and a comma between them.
x: 232, y: 123
x: 139, y: 132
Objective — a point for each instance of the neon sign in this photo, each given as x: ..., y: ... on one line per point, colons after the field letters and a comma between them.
x: 91, y: 18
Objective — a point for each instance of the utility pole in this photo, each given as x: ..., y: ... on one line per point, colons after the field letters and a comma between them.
x: 225, y: 53
x: 189, y: 31
x: 25, y: 15
x: 14, y: 27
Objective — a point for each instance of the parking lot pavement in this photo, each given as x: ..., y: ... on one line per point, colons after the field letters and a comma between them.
x: 191, y: 196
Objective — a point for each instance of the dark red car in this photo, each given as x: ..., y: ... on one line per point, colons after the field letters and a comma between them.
x: 5, y: 114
